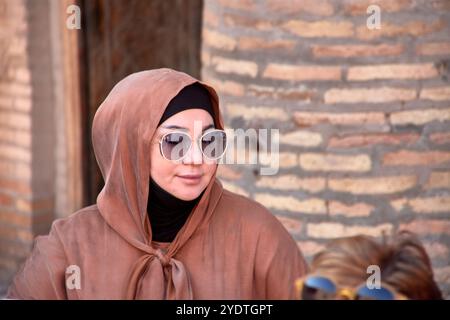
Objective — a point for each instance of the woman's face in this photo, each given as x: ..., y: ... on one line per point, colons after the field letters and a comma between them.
x: 186, y: 178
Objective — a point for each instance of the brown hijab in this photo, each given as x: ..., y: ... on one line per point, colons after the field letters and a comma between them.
x: 229, y: 248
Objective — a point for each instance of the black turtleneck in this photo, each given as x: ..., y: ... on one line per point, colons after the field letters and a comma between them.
x: 167, y: 213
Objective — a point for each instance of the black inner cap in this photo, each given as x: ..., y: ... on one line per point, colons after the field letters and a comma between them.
x: 194, y: 96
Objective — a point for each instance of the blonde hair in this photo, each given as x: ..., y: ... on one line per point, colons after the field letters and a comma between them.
x: 403, y: 262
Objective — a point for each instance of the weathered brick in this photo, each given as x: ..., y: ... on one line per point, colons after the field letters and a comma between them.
x: 413, y: 28
x: 288, y: 159
x: 423, y: 204
x: 17, y: 46
x: 430, y: 205
x: 289, y: 203
x: 329, y: 230
x: 22, y: 104
x: 205, y: 58
x: 248, y: 113
x: 356, y: 50
x: 317, y: 29
x: 8, y: 264
x: 238, y: 4
x: 44, y: 204
x: 22, y: 75
x: 293, y: 7
x: 302, y: 73
x: 399, y: 204
x: 359, y: 7
x: 336, y: 208
x: 210, y: 18
x: 427, y: 227
x: 235, y: 20
x: 20, y: 90
x: 240, y: 67
x: 441, y: 5
x: 366, y: 140
x: 17, y: 137
x: 442, y: 274
x: 227, y: 87
x: 227, y: 172
x: 298, y: 94
x: 376, y: 95
x: 255, y: 43
x: 310, y: 248
x: 419, y: 117
x: 305, y: 119
x: 11, y: 250
x: 392, y: 71
x: 375, y: 186
x: 285, y: 159
x: 218, y: 40
x: 415, y: 158
x: 301, y: 138
x: 436, y: 94
x: 16, y: 234
x: 15, y: 186
x: 435, y: 249
x: 438, y: 179
x: 6, y: 200
x: 15, y: 153
x: 292, y: 182
x: 5, y: 88
x: 433, y: 48
x: 234, y: 188
x: 13, y: 218
x: 15, y: 120
x: 6, y: 102
x: 15, y: 170
x: 335, y: 162
x: 292, y: 225
x: 440, y: 137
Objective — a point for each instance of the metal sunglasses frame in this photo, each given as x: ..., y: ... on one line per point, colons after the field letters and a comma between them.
x: 346, y: 292
x: 190, y: 145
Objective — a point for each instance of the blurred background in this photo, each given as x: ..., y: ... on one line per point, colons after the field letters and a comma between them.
x: 363, y: 113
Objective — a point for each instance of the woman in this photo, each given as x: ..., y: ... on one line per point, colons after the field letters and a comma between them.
x: 163, y: 227
x: 361, y: 268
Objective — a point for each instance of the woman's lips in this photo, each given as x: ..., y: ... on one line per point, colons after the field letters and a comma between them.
x: 191, y: 178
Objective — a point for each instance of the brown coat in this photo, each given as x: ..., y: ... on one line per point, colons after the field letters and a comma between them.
x: 230, y: 247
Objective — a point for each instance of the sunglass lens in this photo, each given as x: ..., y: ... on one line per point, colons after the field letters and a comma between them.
x: 318, y: 288
x: 365, y: 293
x: 174, y: 146
x: 214, y: 144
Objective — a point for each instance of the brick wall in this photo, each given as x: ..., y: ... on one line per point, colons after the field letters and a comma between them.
x: 15, y: 137
x: 29, y: 144
x: 364, y: 115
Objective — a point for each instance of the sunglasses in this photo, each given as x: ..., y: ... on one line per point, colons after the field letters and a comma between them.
x: 175, y: 146
x: 323, y: 288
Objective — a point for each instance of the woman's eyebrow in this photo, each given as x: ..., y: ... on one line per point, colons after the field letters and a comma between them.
x: 210, y: 126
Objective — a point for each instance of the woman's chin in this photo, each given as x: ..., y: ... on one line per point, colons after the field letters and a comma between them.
x: 187, y: 195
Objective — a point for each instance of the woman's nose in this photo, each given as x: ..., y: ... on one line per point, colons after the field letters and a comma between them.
x: 194, y: 155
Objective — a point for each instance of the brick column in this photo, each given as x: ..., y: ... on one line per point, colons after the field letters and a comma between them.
x: 363, y: 114
x: 15, y: 138
x: 34, y: 184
